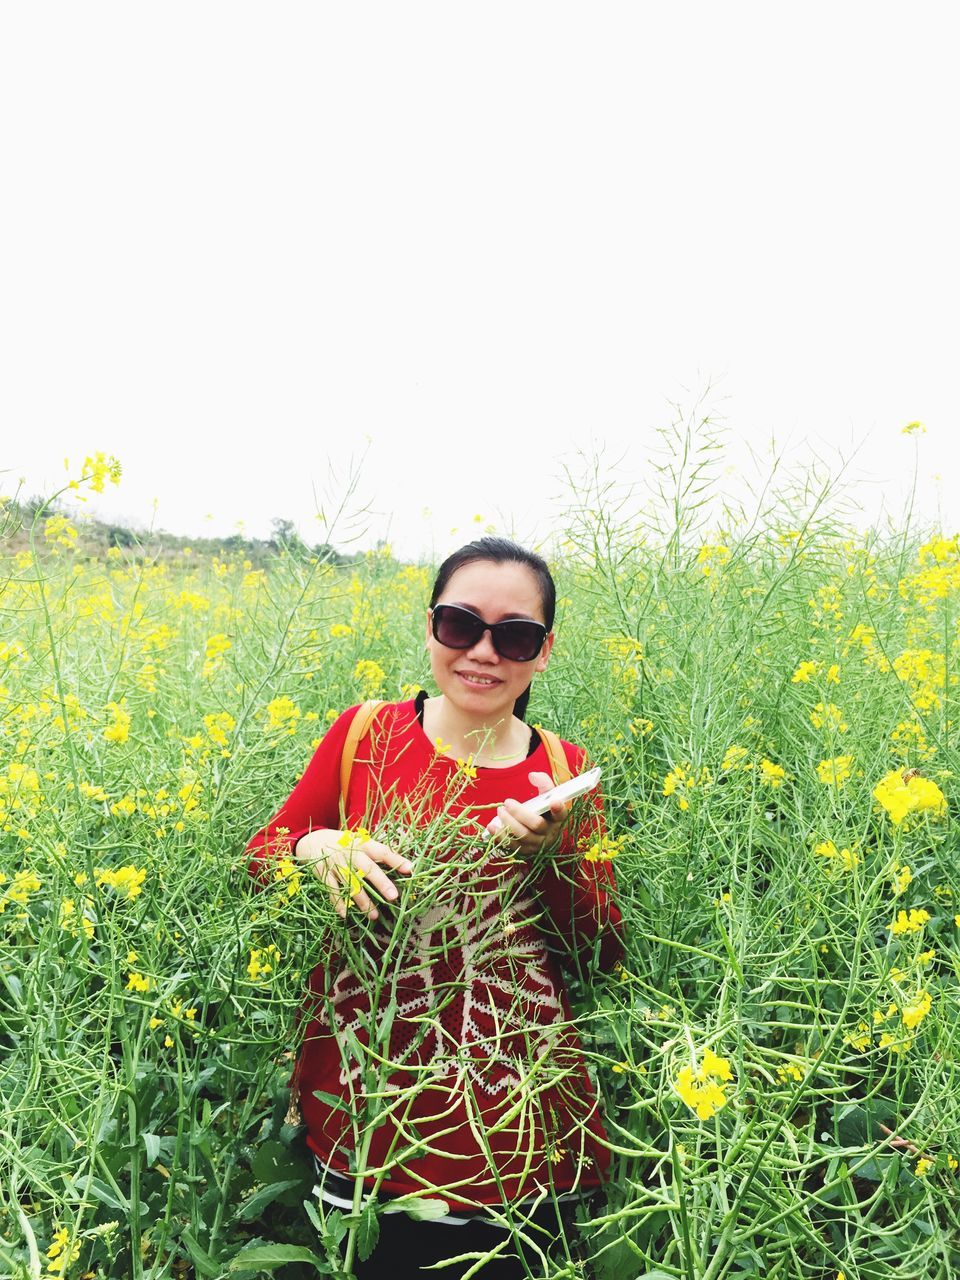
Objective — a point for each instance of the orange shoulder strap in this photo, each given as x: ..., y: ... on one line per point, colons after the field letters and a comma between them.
x: 359, y: 728
x: 555, y: 753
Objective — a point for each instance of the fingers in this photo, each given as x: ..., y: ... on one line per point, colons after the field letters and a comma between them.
x: 382, y: 853
x: 530, y: 831
x: 350, y: 870
x: 543, y: 782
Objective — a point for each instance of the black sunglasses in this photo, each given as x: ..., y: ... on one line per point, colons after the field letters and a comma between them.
x: 516, y: 639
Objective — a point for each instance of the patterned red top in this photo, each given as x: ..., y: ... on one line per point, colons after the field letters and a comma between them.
x: 483, y: 1095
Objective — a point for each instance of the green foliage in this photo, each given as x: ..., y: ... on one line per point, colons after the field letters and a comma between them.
x: 154, y: 712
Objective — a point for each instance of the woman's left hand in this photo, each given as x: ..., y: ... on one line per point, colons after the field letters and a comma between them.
x: 527, y: 832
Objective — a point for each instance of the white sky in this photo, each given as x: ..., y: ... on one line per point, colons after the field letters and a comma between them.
x: 243, y: 240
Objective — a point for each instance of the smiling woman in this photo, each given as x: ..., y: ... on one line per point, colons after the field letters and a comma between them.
x: 467, y: 1028
x: 484, y: 693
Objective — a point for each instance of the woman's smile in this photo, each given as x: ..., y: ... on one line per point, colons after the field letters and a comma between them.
x: 478, y: 681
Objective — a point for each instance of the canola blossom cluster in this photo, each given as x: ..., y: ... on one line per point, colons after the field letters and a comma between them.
x: 907, y: 796
x: 702, y: 1086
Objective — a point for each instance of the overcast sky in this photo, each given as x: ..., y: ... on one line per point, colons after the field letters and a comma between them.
x: 245, y: 243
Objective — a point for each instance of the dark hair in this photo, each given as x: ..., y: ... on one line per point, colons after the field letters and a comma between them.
x: 502, y: 551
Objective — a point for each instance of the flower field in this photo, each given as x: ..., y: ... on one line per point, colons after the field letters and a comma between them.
x: 775, y: 709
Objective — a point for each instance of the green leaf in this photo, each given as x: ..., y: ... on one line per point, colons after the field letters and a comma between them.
x: 204, y: 1263
x: 106, y: 1195
x: 310, y: 1209
x: 266, y: 1195
x: 421, y: 1209
x: 267, y: 1257
x: 274, y: 1162
x: 368, y: 1232
x: 151, y: 1142
x: 336, y: 1228
x: 331, y: 1100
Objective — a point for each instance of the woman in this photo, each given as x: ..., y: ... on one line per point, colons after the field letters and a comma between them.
x: 449, y: 1068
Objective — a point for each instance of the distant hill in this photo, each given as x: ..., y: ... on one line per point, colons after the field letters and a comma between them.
x: 94, y: 537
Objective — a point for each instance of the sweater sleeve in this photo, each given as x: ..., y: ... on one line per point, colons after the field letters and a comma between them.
x: 580, y: 893
x: 314, y: 803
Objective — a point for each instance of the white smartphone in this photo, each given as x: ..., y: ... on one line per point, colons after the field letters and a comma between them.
x: 568, y: 790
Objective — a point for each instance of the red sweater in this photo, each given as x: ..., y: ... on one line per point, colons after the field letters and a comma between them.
x: 482, y: 1048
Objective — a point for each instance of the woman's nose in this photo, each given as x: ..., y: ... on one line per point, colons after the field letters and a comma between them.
x: 483, y: 650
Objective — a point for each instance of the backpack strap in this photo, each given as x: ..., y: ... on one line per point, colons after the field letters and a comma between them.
x: 359, y: 728
x: 555, y: 753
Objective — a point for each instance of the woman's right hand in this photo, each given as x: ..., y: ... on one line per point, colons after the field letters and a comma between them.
x: 343, y: 860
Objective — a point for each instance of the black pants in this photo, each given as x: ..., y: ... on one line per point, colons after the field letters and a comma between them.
x: 405, y: 1246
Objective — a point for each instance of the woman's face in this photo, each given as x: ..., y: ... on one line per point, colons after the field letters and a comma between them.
x: 478, y: 680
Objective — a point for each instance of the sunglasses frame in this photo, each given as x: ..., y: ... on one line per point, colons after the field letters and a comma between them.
x: 492, y: 627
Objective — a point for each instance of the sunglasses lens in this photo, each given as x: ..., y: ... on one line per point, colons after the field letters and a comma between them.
x: 456, y: 628
x: 518, y: 641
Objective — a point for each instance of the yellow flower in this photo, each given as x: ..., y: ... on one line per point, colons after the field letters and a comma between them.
x: 833, y: 674
x: 804, y: 672
x: 218, y: 725
x: 63, y: 1252
x: 467, y: 767
x: 860, y: 1039
x: 24, y: 884
x: 127, y: 881
x: 789, y: 1072
x: 827, y: 715
x: 262, y: 962
x: 923, y: 1167
x: 911, y: 923
x: 894, y: 1043
x: 904, y: 794
x: 71, y: 919
x: 59, y: 531
x: 913, y: 428
x: 287, y: 870
x: 640, y: 727
x: 340, y: 630
x: 836, y: 771
x: 710, y: 556
x: 916, y: 1010
x: 844, y: 858
x: 138, y: 981
x: 682, y: 778
x: 698, y: 1087
x: 216, y: 646
x: 902, y: 875
x: 100, y: 468
x: 733, y: 758
x: 604, y: 849
x: 357, y: 836
x: 282, y: 713
x: 771, y: 773
x: 119, y: 728
x: 370, y: 675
